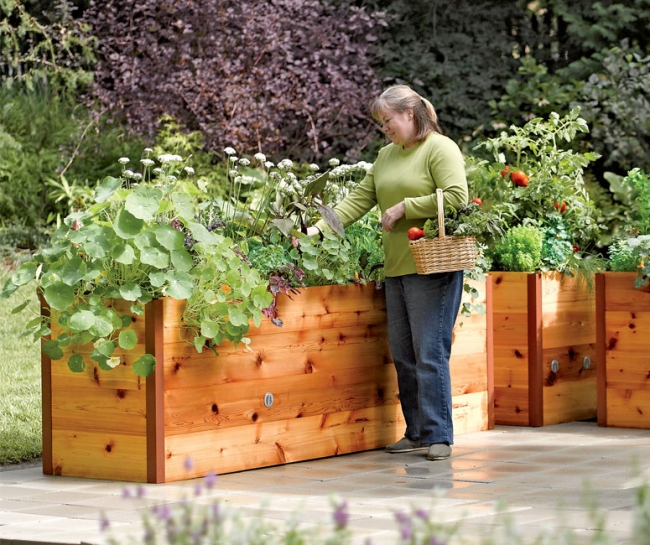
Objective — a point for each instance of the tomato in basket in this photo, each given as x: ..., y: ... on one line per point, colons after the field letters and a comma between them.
x: 415, y: 233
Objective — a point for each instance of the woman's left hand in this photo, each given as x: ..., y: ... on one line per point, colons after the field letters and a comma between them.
x: 391, y: 215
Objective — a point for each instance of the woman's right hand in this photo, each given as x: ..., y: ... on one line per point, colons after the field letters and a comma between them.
x: 311, y: 232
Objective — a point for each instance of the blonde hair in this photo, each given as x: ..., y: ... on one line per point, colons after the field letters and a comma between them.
x: 400, y: 98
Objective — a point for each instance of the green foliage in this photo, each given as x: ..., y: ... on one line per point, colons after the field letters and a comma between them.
x: 54, y: 152
x: 50, y: 46
x: 520, y: 249
x: 552, y: 195
x: 131, y: 245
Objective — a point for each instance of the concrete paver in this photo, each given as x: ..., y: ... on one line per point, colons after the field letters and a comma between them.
x: 540, y: 479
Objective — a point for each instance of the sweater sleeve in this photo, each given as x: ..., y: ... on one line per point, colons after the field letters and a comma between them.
x: 447, y: 168
x: 357, y: 204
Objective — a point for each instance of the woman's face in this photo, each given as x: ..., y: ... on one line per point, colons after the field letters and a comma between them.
x: 399, y: 127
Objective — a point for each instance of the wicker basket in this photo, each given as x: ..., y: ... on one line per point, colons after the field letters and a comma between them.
x: 443, y: 254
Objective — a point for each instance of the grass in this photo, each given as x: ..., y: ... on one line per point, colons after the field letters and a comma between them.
x: 20, y: 383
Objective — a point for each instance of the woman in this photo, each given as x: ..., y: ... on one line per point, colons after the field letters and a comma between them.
x: 421, y: 309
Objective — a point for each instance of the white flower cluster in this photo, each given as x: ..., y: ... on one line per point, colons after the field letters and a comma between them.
x: 169, y: 158
x: 285, y: 164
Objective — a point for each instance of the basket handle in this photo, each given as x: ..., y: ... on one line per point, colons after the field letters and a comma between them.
x: 441, y: 213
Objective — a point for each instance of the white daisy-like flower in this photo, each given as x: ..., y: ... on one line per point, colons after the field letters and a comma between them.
x: 229, y: 151
x: 189, y: 170
x: 169, y: 157
x: 269, y: 164
x: 244, y: 162
x: 334, y: 162
x: 148, y: 150
x: 260, y: 157
x: 314, y: 167
x: 147, y: 162
x: 123, y: 160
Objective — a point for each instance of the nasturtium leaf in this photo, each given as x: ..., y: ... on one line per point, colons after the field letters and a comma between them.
x: 157, y: 278
x: 93, y: 270
x: 106, y: 348
x: 144, y: 365
x: 143, y: 202
x: 101, y: 359
x: 184, y: 205
x: 52, y: 349
x: 125, y: 320
x: 209, y: 328
x: 182, y: 260
x: 20, y: 307
x: 123, y: 253
x: 237, y: 317
x: 59, y: 295
x: 309, y: 264
x: 261, y: 297
x: 73, y: 271
x: 169, y: 238
x: 102, y: 327
x: 180, y: 286
x: 209, y: 296
x: 201, y: 234
x: 8, y: 289
x: 130, y: 291
x: 128, y: 339
x: 235, y: 332
x: 82, y: 320
x: 126, y: 225
x: 97, y: 247
x: 76, y: 363
x: 24, y: 274
x: 138, y: 310
x: 155, y: 257
x: 199, y: 343
x: 105, y: 190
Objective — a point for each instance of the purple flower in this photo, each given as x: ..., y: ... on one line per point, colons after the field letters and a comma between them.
x: 189, y: 464
x: 126, y: 493
x: 341, y: 515
x: 104, y: 523
x: 210, y: 480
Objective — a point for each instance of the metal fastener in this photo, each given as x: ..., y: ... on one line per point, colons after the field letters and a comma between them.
x: 268, y: 399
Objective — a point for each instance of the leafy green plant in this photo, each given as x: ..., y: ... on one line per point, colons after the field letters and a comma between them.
x: 520, y: 249
x: 139, y: 241
x: 534, y: 179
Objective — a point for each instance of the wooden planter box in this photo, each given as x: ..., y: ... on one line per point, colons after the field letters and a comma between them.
x: 623, y: 346
x: 544, y: 328
x: 322, y: 385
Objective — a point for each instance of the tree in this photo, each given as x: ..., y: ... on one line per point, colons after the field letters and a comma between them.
x: 289, y: 77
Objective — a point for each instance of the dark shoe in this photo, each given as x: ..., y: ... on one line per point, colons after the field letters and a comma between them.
x: 405, y: 445
x: 439, y: 451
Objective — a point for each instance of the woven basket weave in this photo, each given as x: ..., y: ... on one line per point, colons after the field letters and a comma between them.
x: 443, y: 254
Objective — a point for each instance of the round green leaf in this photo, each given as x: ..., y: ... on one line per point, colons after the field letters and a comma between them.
x: 157, y: 278
x: 130, y: 292
x: 73, y: 271
x: 52, y: 349
x: 180, y: 285
x: 128, y: 339
x: 104, y: 190
x: 237, y: 317
x: 154, y: 257
x: 209, y: 328
x: 169, y: 238
x: 143, y: 202
x: 182, y: 260
x: 59, y: 295
x: 82, y: 320
x: 126, y: 225
x: 144, y: 365
x: 102, y: 327
x: 24, y: 274
x: 184, y: 205
x: 106, y: 348
x: 123, y: 253
x: 76, y: 363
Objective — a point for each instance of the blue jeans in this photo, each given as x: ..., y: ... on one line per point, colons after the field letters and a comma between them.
x: 422, y: 311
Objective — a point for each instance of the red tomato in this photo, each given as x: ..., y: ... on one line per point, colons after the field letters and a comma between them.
x: 557, y: 205
x: 505, y: 171
x: 562, y: 208
x: 519, y: 178
x: 477, y: 201
x: 415, y: 233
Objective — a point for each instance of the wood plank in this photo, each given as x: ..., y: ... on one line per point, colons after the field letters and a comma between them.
x: 570, y: 364
x: 99, y: 455
x: 627, y: 371
x: 621, y: 295
x: 470, y: 412
x: 628, y: 408
x: 468, y: 374
x: 280, y: 442
x: 601, y: 380
x: 511, y: 406
x: 509, y: 292
x: 238, y: 404
x: 118, y: 411
x: 570, y: 401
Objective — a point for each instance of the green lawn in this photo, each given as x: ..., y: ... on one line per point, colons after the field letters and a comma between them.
x: 20, y: 382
